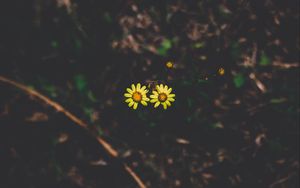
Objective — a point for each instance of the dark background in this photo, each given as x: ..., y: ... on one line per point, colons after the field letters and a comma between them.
x: 234, y: 130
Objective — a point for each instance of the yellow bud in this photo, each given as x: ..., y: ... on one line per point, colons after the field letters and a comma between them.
x: 221, y: 71
x: 169, y: 64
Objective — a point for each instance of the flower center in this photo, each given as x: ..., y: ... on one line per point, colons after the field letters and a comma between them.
x: 162, y: 97
x: 137, y: 96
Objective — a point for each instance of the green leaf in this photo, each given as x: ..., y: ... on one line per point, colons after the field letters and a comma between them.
x: 217, y: 125
x: 167, y: 44
x: 88, y: 111
x: 54, y: 44
x: 224, y: 11
x: 99, y: 130
x: 80, y: 82
x: 162, y: 51
x: 50, y: 89
x: 91, y: 96
x: 164, y: 48
x: 199, y: 45
x: 264, y: 60
x: 239, y: 80
x: 278, y: 100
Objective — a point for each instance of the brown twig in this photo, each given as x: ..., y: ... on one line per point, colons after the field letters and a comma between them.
x: 285, y: 65
x: 258, y: 83
x: 135, y: 177
x: 253, y: 76
x: 75, y: 119
x: 280, y: 181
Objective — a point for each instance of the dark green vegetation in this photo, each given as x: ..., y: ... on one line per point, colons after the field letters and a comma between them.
x: 234, y: 130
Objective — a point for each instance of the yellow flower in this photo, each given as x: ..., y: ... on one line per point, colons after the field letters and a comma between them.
x: 135, y: 95
x: 221, y: 71
x: 169, y: 64
x: 162, y: 96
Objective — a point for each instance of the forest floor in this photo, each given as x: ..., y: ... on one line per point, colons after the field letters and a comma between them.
x: 234, y: 67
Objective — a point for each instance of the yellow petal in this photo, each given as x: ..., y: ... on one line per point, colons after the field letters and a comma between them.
x: 144, y: 103
x: 171, y: 99
x: 135, y: 106
x: 146, y: 90
x: 153, y: 100
x: 127, y: 95
x: 133, y: 87
x: 154, y: 96
x: 154, y: 92
x: 164, y: 105
x: 138, y: 87
x: 131, y: 103
x: 166, y: 88
x: 169, y: 90
x: 128, y: 100
x: 143, y: 88
x: 143, y: 92
x: 161, y: 87
x: 168, y: 103
x: 156, y: 104
x: 157, y: 87
x: 129, y: 90
x: 171, y: 95
x: 146, y: 99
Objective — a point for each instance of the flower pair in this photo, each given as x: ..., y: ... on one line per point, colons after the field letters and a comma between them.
x: 161, y: 95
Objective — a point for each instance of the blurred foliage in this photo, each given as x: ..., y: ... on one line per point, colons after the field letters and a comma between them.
x: 165, y: 46
x: 239, y: 80
x: 264, y: 60
x: 80, y: 83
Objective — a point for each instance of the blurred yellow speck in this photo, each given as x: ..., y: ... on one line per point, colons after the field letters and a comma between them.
x: 221, y: 71
x: 169, y: 65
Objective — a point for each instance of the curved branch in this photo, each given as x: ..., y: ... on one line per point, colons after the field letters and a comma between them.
x: 110, y: 150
